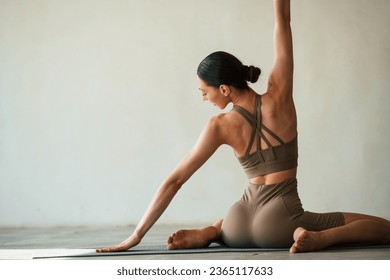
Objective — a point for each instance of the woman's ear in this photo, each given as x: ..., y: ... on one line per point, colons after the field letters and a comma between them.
x: 224, y: 90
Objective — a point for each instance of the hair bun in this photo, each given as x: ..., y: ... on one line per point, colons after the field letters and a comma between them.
x: 252, y: 73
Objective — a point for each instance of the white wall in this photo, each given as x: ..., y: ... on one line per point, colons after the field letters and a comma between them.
x: 99, y: 102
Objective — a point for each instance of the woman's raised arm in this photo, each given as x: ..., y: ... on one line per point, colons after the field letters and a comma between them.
x: 280, y: 81
x: 208, y: 142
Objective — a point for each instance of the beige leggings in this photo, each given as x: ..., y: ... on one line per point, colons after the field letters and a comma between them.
x: 267, y: 216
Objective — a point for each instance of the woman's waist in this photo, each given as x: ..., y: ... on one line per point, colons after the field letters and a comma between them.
x: 259, y: 194
x: 275, y: 177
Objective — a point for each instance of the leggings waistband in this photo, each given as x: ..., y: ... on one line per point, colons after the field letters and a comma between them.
x: 259, y: 194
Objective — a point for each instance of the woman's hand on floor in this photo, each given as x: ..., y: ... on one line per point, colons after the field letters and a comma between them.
x: 130, y: 242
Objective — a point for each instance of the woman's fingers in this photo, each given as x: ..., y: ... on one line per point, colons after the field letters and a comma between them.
x: 132, y: 241
x: 116, y: 248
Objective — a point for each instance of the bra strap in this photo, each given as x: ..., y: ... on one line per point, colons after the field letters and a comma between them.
x: 260, y: 124
x: 252, y: 121
x: 255, y: 121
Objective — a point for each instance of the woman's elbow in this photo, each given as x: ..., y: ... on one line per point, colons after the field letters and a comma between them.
x: 177, y: 185
x: 174, y: 184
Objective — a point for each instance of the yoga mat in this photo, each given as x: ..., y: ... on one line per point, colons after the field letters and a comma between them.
x: 155, y: 250
x: 161, y: 250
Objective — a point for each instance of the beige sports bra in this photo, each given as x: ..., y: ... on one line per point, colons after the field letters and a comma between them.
x: 273, y: 158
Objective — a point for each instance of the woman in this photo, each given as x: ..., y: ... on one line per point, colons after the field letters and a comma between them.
x: 262, y: 130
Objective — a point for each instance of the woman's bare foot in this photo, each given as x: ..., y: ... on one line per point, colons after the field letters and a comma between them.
x: 193, y: 238
x: 306, y: 241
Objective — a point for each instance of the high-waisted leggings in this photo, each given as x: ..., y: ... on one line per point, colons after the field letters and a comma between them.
x: 267, y: 216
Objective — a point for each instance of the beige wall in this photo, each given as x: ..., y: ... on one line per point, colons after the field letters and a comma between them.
x: 99, y: 101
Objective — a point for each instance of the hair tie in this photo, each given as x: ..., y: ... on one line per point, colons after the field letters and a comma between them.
x: 250, y: 73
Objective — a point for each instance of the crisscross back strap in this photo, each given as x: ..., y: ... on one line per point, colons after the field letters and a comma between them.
x: 252, y: 121
x: 255, y: 121
x: 277, y: 138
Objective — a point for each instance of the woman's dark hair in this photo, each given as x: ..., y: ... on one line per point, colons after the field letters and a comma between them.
x: 223, y: 68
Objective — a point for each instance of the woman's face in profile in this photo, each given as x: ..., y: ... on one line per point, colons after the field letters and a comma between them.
x: 212, y: 94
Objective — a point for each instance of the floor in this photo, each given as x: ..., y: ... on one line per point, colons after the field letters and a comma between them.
x: 23, y: 243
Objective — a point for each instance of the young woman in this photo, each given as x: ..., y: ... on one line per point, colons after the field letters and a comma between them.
x: 262, y: 130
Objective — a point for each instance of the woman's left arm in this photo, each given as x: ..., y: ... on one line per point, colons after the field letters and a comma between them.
x: 280, y: 82
x: 208, y: 142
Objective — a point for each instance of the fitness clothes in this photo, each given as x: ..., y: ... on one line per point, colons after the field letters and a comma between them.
x: 267, y: 216
x: 272, y: 159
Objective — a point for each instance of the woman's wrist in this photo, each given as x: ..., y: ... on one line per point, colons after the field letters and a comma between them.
x: 136, y: 236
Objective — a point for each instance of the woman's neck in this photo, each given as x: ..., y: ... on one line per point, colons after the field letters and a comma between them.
x: 243, y: 98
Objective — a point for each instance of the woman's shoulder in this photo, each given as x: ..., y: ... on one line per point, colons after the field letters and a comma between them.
x: 225, y: 125
x: 275, y: 102
x: 224, y: 119
x: 218, y: 121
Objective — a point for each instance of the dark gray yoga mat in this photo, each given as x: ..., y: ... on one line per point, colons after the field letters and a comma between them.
x: 161, y: 250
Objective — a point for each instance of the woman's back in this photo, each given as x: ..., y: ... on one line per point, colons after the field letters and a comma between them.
x: 280, y: 127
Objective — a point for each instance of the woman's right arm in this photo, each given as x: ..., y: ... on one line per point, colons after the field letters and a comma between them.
x: 208, y: 142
